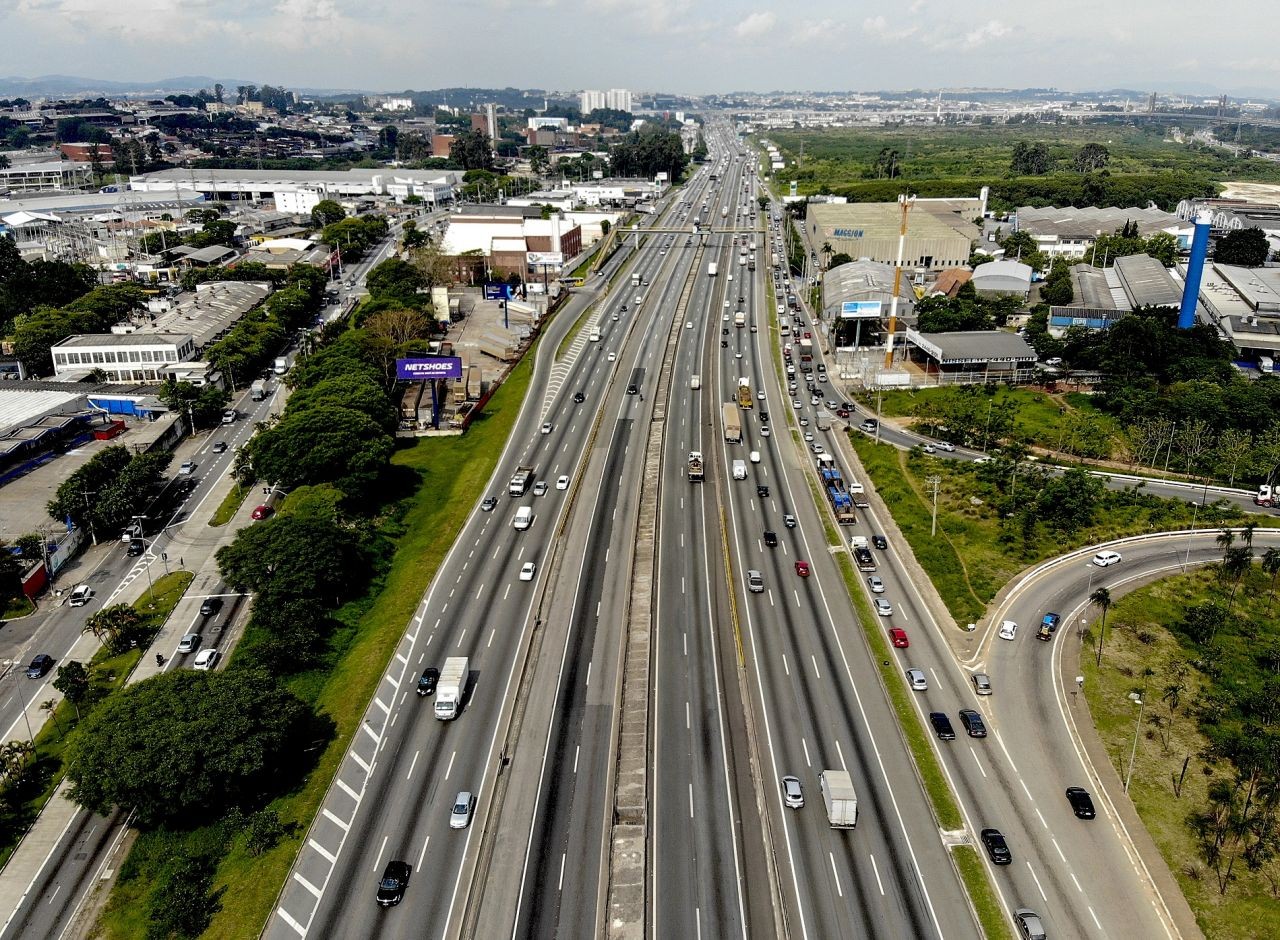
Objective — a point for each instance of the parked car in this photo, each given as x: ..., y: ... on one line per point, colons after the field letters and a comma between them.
x: 40, y: 665
x: 262, y: 511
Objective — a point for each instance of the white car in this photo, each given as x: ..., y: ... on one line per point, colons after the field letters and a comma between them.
x: 808, y: 436
x: 613, y: 357
x: 946, y: 445
x: 1106, y: 559
x: 188, y: 467
x: 1008, y: 630
x: 764, y: 431
x: 760, y: 395
x: 883, y: 607
x: 206, y: 659
x: 80, y: 595
x: 189, y: 643
x: 562, y: 482
x: 726, y: 306
x: 546, y: 428
x: 688, y: 324
x: 527, y: 571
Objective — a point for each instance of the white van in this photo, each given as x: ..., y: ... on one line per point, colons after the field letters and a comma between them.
x: 524, y: 518
x: 595, y: 336
x: 755, y: 456
x: 695, y: 382
x: 739, y: 469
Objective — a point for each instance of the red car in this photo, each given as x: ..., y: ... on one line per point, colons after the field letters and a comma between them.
x: 262, y: 512
x: 898, y: 637
x: 802, y: 569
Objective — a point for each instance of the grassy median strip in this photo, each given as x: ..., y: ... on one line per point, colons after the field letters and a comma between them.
x: 454, y: 470
x: 985, y: 901
x: 230, y: 504
x: 24, y: 798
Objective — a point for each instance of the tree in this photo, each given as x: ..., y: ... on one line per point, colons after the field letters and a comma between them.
x: 218, y: 90
x: 116, y: 627
x: 1102, y: 598
x: 294, y: 557
x: 838, y: 259
x: 147, y: 746
x: 73, y: 682
x: 356, y: 392
x: 1246, y: 247
x: 1226, y: 538
x: 326, y: 212
x: 472, y: 150
x: 1091, y: 157
x: 539, y: 159
x: 325, y: 444
x: 1271, y: 565
x: 183, y: 905
x: 396, y: 279
x: 204, y: 404
x: 1030, y: 159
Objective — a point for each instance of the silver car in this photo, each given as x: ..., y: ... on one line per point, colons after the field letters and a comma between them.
x: 792, y: 795
x: 917, y: 680
x: 883, y: 607
x: 755, y: 582
x: 460, y: 816
x: 876, y: 585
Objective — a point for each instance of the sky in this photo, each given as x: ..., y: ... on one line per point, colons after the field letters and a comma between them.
x: 683, y: 46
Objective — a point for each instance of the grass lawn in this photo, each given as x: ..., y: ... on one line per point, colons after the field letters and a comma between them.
x: 1136, y: 640
x: 230, y: 503
x: 107, y: 673
x: 452, y: 470
x: 17, y: 607
x: 975, y: 552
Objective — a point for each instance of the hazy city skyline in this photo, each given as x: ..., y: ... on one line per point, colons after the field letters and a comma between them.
x: 689, y: 46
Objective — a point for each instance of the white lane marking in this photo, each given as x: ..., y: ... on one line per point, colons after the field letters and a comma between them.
x: 333, y: 818
x: 306, y: 884
x: 687, y: 725
x: 412, y: 764
x: 785, y: 666
x: 691, y: 801
x: 805, y: 745
x: 576, y: 750
x: 935, y: 676
x: 560, y: 882
x: 840, y: 751
x: 1059, y: 850
x: 976, y: 761
x: 835, y: 874
x: 1097, y: 923
x: 377, y: 861
x: 816, y: 672
x: 588, y: 682
x: 449, y: 769
x: 1037, y: 881
x: 876, y: 869
x: 423, y: 854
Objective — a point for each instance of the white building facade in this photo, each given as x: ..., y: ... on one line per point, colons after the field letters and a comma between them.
x: 124, y: 357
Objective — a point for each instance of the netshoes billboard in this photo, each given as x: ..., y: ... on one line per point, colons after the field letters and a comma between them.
x: 425, y: 370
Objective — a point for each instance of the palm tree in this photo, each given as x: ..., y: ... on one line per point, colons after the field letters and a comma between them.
x: 51, y: 706
x: 1271, y: 565
x: 1237, y: 562
x: 827, y: 251
x: 112, y: 623
x: 1246, y: 533
x: 1226, y: 538
x: 1101, y: 597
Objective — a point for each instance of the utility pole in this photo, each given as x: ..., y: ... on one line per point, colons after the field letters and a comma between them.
x: 934, y: 481
x: 905, y: 203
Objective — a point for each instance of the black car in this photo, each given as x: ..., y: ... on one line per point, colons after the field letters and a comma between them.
x: 136, y: 547
x: 210, y: 606
x: 579, y: 397
x: 942, y: 726
x: 39, y: 666
x: 1081, y: 802
x: 972, y: 722
x: 395, y: 878
x: 996, y: 847
x: 762, y: 491
x: 880, y: 542
x: 771, y: 539
x: 427, y: 681
x: 631, y: 390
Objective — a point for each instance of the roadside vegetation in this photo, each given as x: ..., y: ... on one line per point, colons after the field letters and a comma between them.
x: 1105, y: 164
x: 1202, y: 651
x: 997, y: 518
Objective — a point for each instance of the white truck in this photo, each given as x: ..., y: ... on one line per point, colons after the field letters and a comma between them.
x: 695, y: 382
x: 711, y: 269
x: 839, y: 796
x: 523, y: 519
x: 258, y: 390
x: 451, y: 687
x: 281, y: 365
x: 520, y: 481
x: 739, y: 469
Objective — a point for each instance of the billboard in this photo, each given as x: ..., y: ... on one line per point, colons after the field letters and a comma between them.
x: 425, y: 370
x: 545, y: 257
x: 860, y: 310
x: 497, y: 291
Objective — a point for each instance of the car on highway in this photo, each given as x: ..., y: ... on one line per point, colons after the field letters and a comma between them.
x: 804, y: 422
x: 760, y: 395
x: 1030, y: 927
x: 80, y: 595
x: 815, y: 400
x: 764, y: 431
x: 1008, y: 630
x: 540, y: 488
x: 136, y: 548
x: 981, y: 683
x: 546, y: 427
x: 762, y: 491
x: 40, y: 665
x: 528, y: 570
x: 613, y: 357
x: 427, y: 681
x: 460, y: 815
x: 187, y: 468
x: 875, y: 583
x: 869, y: 425
x: 392, y: 884
x: 808, y: 436
x: 1081, y: 802
x: 490, y: 504
x: 942, y: 726
x: 795, y: 403
x: 688, y: 324
x: 229, y: 416
x: 788, y: 520
x: 802, y: 568
x: 883, y: 607
x: 898, y: 637
x: 190, y: 643
x: 206, y: 659
x: 754, y: 456
x: 764, y: 417
x: 210, y: 606
x: 219, y: 447
x: 755, y: 582
x: 997, y: 848
x: 982, y: 459
x: 771, y: 538
x: 946, y: 445
x: 562, y: 482
x: 973, y: 723
x: 880, y: 542
x: 1106, y: 559
x: 916, y: 679
x: 262, y: 512
x: 792, y: 794
x: 579, y: 397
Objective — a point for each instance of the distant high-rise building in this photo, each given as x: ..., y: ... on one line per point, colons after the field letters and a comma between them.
x: 619, y: 99
x: 491, y: 117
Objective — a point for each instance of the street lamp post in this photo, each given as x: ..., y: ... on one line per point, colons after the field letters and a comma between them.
x: 1141, y: 702
x: 934, y: 481
x: 8, y: 665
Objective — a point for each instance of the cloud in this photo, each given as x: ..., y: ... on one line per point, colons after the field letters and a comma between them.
x: 992, y: 29
x: 808, y: 32
x: 878, y: 28
x: 755, y: 25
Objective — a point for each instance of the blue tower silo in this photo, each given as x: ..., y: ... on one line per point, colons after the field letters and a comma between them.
x: 1195, y: 270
